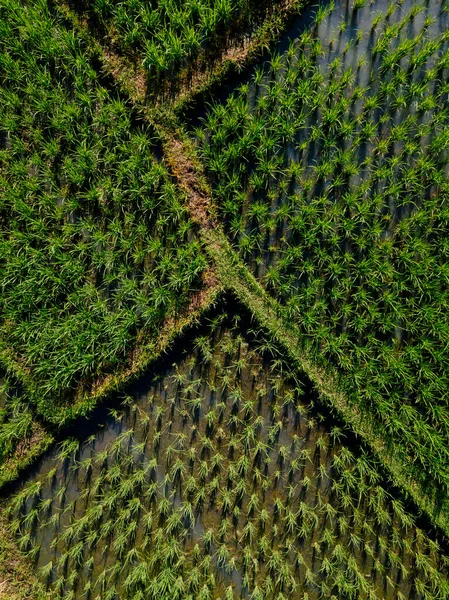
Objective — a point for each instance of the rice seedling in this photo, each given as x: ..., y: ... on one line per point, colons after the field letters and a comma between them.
x: 206, y: 519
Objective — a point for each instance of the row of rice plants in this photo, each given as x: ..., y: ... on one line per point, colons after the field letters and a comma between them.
x: 221, y: 479
x: 168, y: 35
x: 16, y: 418
x: 96, y: 246
x: 330, y: 171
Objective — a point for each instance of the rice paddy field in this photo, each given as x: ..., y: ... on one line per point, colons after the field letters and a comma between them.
x: 220, y: 478
x: 97, y: 247
x: 224, y: 324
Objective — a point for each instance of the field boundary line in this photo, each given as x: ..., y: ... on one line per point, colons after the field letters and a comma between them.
x: 232, y: 274
x: 25, y: 453
x: 268, y: 313
x: 196, y: 79
x: 17, y: 577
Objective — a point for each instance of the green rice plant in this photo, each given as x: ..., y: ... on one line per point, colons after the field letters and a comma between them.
x: 59, y: 257
x: 352, y: 321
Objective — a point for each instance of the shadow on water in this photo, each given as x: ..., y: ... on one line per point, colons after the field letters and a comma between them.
x: 166, y: 417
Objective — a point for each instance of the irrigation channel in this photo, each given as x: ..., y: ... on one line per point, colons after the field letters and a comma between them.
x: 219, y: 478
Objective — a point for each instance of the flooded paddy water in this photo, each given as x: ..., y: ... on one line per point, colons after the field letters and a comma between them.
x: 219, y: 478
x: 349, y: 100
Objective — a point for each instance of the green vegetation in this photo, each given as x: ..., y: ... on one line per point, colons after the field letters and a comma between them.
x: 17, y: 579
x: 222, y: 480
x: 168, y: 35
x: 329, y: 170
x: 16, y: 419
x: 22, y: 437
x: 232, y: 274
x: 96, y: 248
x: 296, y: 447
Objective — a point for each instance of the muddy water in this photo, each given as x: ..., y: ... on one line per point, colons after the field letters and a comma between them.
x: 221, y: 474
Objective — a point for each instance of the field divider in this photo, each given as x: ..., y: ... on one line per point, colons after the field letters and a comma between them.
x: 26, y: 452
x: 18, y: 581
x: 244, y: 47
x: 235, y: 276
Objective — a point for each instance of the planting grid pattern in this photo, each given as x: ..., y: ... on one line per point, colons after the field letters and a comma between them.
x: 222, y: 480
x: 329, y: 167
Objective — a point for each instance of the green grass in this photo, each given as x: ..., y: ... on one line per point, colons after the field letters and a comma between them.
x: 330, y: 178
x: 97, y: 247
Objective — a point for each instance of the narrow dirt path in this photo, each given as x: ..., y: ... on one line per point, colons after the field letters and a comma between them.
x: 179, y: 161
